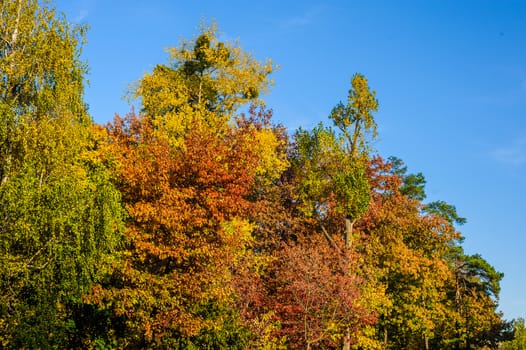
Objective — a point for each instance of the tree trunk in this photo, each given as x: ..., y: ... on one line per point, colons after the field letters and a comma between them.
x: 348, y: 242
x: 14, y: 34
x: 348, y: 232
x: 347, y: 340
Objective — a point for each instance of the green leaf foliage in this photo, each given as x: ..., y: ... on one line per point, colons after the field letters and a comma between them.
x: 60, y: 213
x: 446, y: 211
x: 519, y: 337
x: 328, y: 175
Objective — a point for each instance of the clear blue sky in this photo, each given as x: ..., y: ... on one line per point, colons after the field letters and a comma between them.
x: 450, y: 76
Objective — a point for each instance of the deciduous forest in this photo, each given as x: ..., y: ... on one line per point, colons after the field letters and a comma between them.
x: 198, y: 222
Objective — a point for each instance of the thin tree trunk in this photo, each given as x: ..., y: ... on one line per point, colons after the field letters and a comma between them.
x: 5, y: 170
x: 348, y: 242
x: 347, y: 340
x: 14, y: 36
x: 348, y: 232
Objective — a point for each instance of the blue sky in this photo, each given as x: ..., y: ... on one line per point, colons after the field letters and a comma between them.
x: 450, y: 77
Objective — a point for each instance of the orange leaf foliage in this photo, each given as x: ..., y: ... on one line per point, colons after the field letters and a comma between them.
x: 186, y: 207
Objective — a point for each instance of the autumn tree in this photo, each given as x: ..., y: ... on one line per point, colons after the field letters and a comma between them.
x: 309, y: 288
x: 334, y: 165
x: 60, y: 213
x: 355, y: 118
x: 317, y: 299
x: 331, y: 166
x: 187, y: 168
x: 206, y: 81
x: 406, y: 252
x: 438, y: 296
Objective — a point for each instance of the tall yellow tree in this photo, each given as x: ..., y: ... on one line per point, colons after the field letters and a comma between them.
x: 206, y: 81
x: 187, y: 167
x: 60, y: 213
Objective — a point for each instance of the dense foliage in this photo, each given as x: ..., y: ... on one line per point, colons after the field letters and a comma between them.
x: 193, y: 225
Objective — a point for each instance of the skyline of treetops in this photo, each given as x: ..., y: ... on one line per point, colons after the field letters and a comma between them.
x: 198, y: 221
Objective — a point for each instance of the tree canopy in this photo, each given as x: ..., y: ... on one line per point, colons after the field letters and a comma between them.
x: 197, y: 222
x: 61, y: 214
